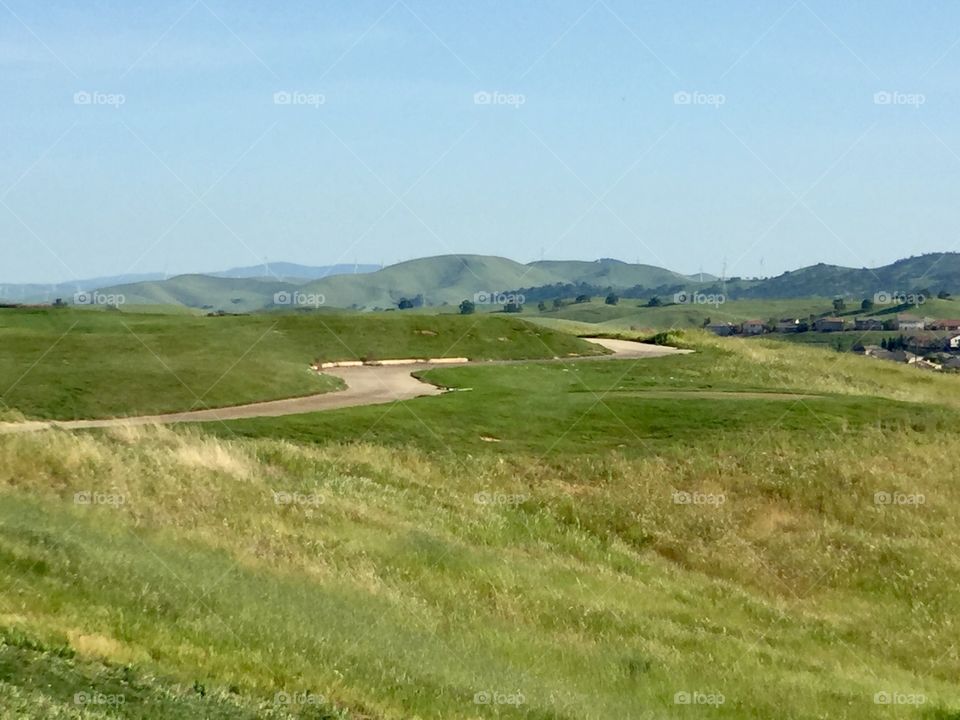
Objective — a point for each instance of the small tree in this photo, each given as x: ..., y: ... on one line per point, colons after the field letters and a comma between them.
x: 405, y: 304
x: 654, y: 302
x: 612, y: 299
x: 867, y: 304
x: 943, y: 295
x: 467, y: 307
x: 839, y: 305
x: 542, y: 306
x: 582, y: 299
x: 513, y: 307
x: 557, y: 303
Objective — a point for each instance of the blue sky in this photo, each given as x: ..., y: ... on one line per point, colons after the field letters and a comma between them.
x: 203, y: 134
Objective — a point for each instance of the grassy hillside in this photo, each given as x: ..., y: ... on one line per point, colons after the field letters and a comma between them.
x: 204, y: 291
x: 634, y: 313
x: 736, y: 549
x: 443, y: 279
x: 65, y: 363
x: 608, y: 272
x: 448, y: 279
x: 934, y: 271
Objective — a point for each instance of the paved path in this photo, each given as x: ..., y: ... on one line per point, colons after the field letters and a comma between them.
x: 367, y: 385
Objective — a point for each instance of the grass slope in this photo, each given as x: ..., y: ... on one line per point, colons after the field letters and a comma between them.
x: 442, y: 279
x: 607, y: 272
x: 397, y: 584
x: 633, y: 313
x: 452, y: 278
x: 64, y: 364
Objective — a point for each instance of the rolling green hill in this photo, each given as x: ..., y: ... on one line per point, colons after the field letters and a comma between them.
x: 203, y: 291
x: 442, y: 279
x: 448, y: 279
x: 63, y: 363
x: 934, y: 272
x: 608, y: 272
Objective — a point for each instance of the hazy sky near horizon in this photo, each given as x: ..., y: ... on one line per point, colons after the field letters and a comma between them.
x: 203, y: 134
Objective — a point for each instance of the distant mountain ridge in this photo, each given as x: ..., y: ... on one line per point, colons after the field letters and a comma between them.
x: 272, y: 272
x: 290, y: 271
x: 449, y: 279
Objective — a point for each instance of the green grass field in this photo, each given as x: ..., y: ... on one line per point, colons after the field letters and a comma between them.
x: 760, y: 528
x: 634, y: 313
x: 65, y: 364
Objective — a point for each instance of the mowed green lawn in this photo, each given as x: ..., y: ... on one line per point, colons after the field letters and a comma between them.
x: 65, y: 363
x: 733, y: 389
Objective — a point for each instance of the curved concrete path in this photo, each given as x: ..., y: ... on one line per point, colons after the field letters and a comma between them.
x: 366, y: 385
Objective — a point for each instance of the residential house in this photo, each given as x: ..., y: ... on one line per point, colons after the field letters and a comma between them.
x: 954, y: 342
x: 829, y: 324
x: 868, y: 324
x: 952, y: 325
x: 752, y: 327
x: 904, y: 356
x: 723, y: 329
x: 788, y: 325
x: 875, y: 351
x: 910, y: 322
